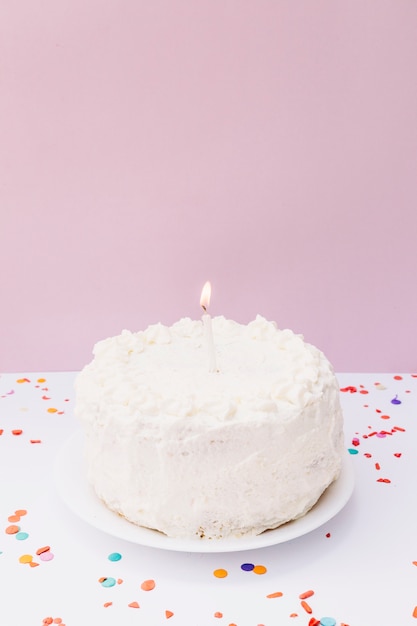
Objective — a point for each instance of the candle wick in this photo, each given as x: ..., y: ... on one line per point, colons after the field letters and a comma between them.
x: 204, y: 308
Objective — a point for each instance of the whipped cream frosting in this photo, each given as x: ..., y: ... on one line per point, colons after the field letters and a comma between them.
x: 174, y: 447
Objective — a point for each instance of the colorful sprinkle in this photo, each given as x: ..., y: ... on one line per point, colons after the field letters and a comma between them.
x: 395, y: 400
x: 353, y: 451
x: 168, y: 614
x: 114, y: 556
x: 12, y: 530
x: 134, y: 605
x: 398, y: 377
x: 21, y: 536
x: 307, y: 608
x: 350, y: 389
x: 327, y: 621
x: 17, y: 432
x: 276, y: 594
x: 52, y: 410
x: 306, y: 594
x: 107, y: 604
x: 218, y: 614
x: 148, y: 585
x: 415, y: 612
x: 108, y: 582
x: 46, y: 556
x: 26, y: 558
x: 220, y: 573
x: 247, y: 567
x: 259, y: 569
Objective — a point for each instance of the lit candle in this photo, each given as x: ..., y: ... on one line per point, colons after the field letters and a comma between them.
x: 204, y: 303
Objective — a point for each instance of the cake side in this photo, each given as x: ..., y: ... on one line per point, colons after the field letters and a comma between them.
x: 173, y: 447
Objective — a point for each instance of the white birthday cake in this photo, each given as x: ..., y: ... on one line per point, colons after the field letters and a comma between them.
x: 192, y: 453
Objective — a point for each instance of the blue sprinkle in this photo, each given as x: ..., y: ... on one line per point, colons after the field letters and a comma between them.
x: 114, y: 556
x: 395, y: 400
x: 353, y: 451
x: 247, y: 567
x: 108, y: 582
x: 21, y: 536
x: 327, y: 621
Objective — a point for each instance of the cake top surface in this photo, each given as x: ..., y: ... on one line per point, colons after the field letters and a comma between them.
x: 164, y: 370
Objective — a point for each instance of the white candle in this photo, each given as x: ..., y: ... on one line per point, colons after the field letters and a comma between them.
x: 208, y: 330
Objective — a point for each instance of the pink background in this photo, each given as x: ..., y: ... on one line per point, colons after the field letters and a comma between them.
x: 268, y: 146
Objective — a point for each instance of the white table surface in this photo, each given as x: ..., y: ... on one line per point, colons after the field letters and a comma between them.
x: 361, y: 564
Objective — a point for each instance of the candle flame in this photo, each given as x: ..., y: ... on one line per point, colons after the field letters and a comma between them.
x: 205, y: 296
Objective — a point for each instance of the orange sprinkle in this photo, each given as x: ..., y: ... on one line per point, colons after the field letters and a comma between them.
x: 259, y: 569
x: 415, y: 612
x: 41, y: 380
x: 293, y: 614
x: 220, y: 573
x: 276, y: 594
x: 12, y: 530
x: 107, y: 604
x: 35, y: 441
x: 48, y: 620
x: 218, y: 614
x: 33, y: 564
x: 306, y: 594
x: 21, y: 512
x: 168, y: 614
x: 306, y: 606
x: 119, y: 581
x: 42, y: 550
x: 385, y: 417
x: 148, y: 585
x: 23, y: 380
x: 134, y: 605
x: 52, y: 410
x: 1, y: 431
x: 14, y: 518
x: 17, y: 431
x: 102, y: 579
x: 414, y: 562
x: 57, y: 620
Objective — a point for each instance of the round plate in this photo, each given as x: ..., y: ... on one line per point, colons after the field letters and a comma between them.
x: 72, y: 485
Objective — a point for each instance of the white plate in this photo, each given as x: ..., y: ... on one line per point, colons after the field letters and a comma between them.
x: 70, y: 476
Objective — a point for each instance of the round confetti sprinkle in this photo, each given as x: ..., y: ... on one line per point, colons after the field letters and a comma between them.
x: 395, y: 400
x: 353, y: 451
x: 327, y: 621
x: 47, y: 556
x: 247, y: 567
x: 220, y: 573
x: 114, y: 556
x: 21, y: 536
x: 259, y: 569
x: 17, y: 431
x: 398, y: 377
x: 218, y: 614
x: 148, y: 585
x: 26, y: 558
x: 52, y: 410
x: 13, y: 518
x: 12, y: 530
x: 108, y: 582
x: 134, y: 605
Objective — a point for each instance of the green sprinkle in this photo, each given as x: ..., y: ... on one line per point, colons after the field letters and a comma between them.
x: 353, y: 451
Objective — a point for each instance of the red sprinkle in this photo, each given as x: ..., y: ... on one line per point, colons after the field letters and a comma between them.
x: 383, y: 480
x: 306, y: 606
x: 350, y: 389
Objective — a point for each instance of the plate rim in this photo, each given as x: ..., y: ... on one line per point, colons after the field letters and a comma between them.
x: 74, y: 490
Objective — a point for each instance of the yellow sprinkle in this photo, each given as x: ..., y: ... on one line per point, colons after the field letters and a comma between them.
x: 26, y: 558
x: 52, y: 410
x: 259, y: 569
